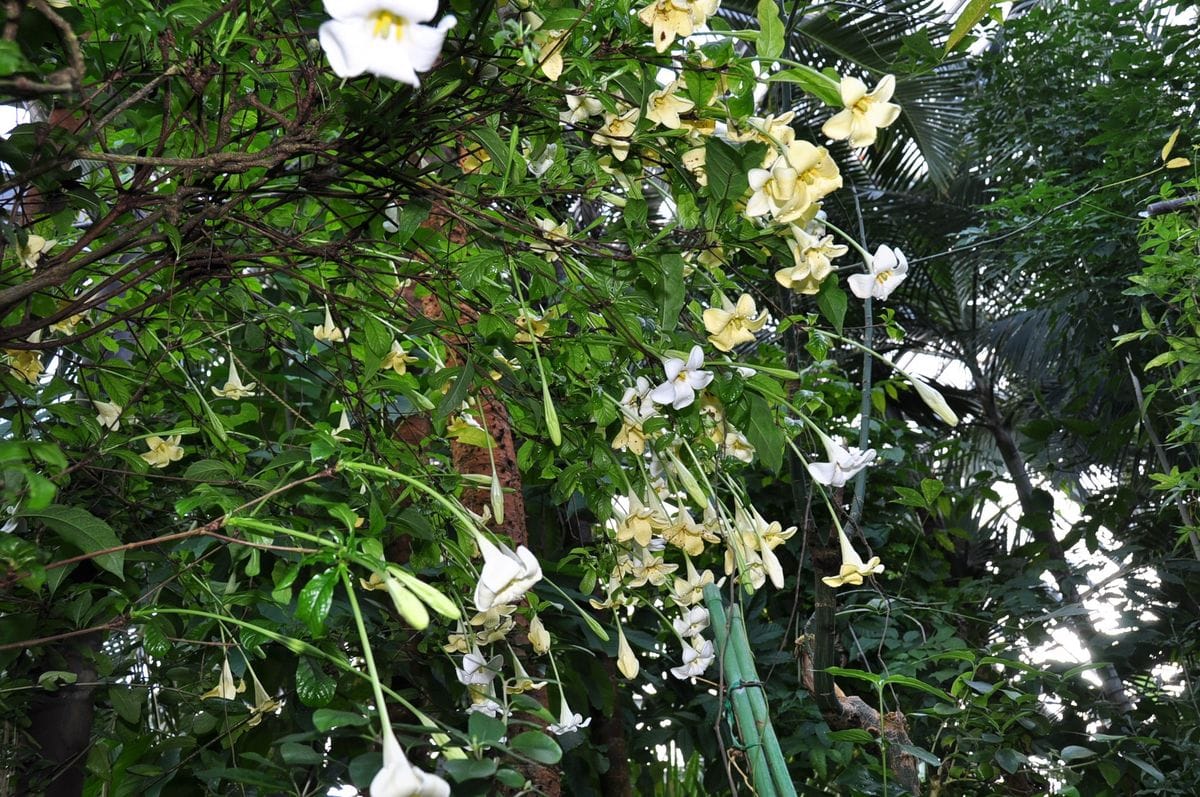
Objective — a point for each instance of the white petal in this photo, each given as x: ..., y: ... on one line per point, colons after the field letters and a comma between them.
x: 347, y: 46
x: 822, y: 472
x: 664, y: 393
x: 424, y: 43
x: 695, y: 358
x: 884, y: 259
x: 861, y: 285
x: 684, y: 396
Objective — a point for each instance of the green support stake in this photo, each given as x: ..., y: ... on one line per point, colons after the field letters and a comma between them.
x: 750, y: 726
x: 758, y: 704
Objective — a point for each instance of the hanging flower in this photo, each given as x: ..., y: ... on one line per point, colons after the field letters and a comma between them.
x: 264, y: 703
x: 397, y: 359
x: 812, y: 256
x: 521, y: 682
x: 627, y: 662
x: 555, y: 235
x: 698, y: 656
x: 689, y: 591
x: 477, y: 669
x: 343, y: 426
x: 234, y: 389
x: 383, y: 37
x: 688, y: 535
x: 648, y: 567
x: 67, y: 325
x: 568, y: 721
x: 539, y: 637
x: 616, y: 132
x: 843, y: 463
x: 664, y: 106
x: 853, y: 569
x: 539, y: 166
x: 225, y: 688
x: 671, y: 18
x: 638, y: 522
x: 108, y: 414
x: 35, y: 246
x: 683, y: 380
x: 864, y: 112
x: 889, y: 267
x: 738, y: 446
x: 399, y: 778
x: 163, y: 452
x: 774, y: 131
x: 731, y: 325
x: 530, y: 327
x: 691, y: 623
x: 934, y: 400
x: 506, y: 575
x: 329, y: 332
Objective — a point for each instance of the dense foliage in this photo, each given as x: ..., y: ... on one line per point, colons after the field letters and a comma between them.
x: 420, y: 403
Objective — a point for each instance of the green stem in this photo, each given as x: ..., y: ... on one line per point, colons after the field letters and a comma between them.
x: 376, y: 684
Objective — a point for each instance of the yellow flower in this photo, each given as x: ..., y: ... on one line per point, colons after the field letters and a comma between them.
x: 775, y: 131
x: 695, y: 161
x: 163, y: 452
x: 733, y: 324
x: 496, y: 374
x: 690, y: 591
x: 108, y: 414
x: 815, y: 168
x: 26, y: 362
x: 234, y: 389
x: 263, y: 702
x: 554, y: 235
x: 813, y: 264
x: 640, y: 522
x: 397, y: 359
x: 550, y: 52
x: 864, y: 112
x: 853, y: 568
x: 736, y: 445
x: 539, y: 637
x: 616, y: 132
x: 671, y: 18
x: 521, y: 682
x: 67, y: 325
x: 530, y: 326
x: 627, y: 662
x: 225, y: 688
x: 35, y: 246
x: 688, y: 535
x: 631, y: 437
x: 329, y: 332
x: 664, y: 106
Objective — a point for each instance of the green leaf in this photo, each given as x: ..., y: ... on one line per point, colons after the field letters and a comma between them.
x: 326, y: 719
x: 723, y: 164
x: 770, y: 27
x: 931, y: 489
x: 296, y: 754
x: 485, y: 730
x: 969, y: 18
x: 1149, y: 769
x: 84, y: 531
x: 905, y: 680
x: 491, y: 142
x: 815, y: 83
x: 457, y: 394
x: 1074, y: 752
x: 764, y: 434
x: 1009, y: 759
x: 832, y: 303
x: 538, y: 746
x: 852, y: 735
x: 672, y: 289
x: 470, y: 768
x: 313, y: 686
x: 313, y: 602
x: 11, y: 59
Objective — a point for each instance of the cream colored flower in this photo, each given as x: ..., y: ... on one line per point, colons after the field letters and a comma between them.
x: 329, y: 332
x: 108, y: 414
x: 737, y: 446
x: 627, y: 662
x: 690, y: 591
x: 580, y: 108
x: 698, y: 656
x: 26, y: 362
x: 864, y: 112
x: 539, y: 637
x: 568, y: 721
x: 843, y: 463
x: 815, y: 168
x: 812, y: 261
x: 399, y: 778
x: 163, y: 452
x: 35, y: 246
x: 731, y: 325
x: 664, y: 106
x: 554, y: 236
x: 631, y: 436
x: 617, y: 131
x: 639, y: 522
x: 530, y: 327
x: 688, y: 535
x: 696, y: 161
x: 397, y: 359
x: 691, y: 623
x: 853, y: 569
x: 498, y: 356
x: 775, y: 131
x: 550, y: 52
x: 234, y: 389
x: 671, y: 18
x: 225, y: 688
x: 67, y: 325
x: 521, y: 682
x: 647, y: 567
x: 343, y: 426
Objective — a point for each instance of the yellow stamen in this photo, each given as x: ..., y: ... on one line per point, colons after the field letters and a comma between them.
x: 883, y: 276
x: 388, y: 24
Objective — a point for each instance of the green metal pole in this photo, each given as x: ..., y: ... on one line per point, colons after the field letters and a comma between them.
x: 748, y: 727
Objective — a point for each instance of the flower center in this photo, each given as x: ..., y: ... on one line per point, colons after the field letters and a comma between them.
x: 388, y: 25
x: 883, y: 276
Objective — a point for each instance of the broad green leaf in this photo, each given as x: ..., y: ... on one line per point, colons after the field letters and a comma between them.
x: 326, y: 719
x: 770, y: 30
x: 969, y: 18
x: 815, y: 83
x: 764, y: 434
x: 538, y: 746
x: 832, y: 303
x: 313, y: 602
x: 471, y: 768
x: 85, y: 532
x: 313, y: 686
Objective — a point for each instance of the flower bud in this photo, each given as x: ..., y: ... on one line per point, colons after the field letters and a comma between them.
x: 539, y: 637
